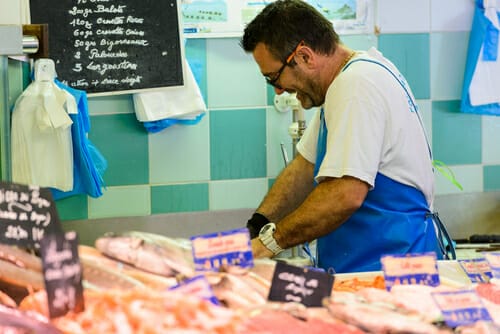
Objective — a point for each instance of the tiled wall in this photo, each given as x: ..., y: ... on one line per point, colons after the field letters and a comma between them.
x: 229, y: 159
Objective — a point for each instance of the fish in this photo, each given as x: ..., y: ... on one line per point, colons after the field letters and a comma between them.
x: 150, y: 252
x: 13, y: 320
x: 20, y: 257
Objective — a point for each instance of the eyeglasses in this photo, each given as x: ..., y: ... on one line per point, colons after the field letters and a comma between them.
x: 273, y: 81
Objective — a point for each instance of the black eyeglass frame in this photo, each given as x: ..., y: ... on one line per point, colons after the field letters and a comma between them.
x: 289, y: 59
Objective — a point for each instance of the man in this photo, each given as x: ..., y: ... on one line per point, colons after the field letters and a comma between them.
x: 362, y: 182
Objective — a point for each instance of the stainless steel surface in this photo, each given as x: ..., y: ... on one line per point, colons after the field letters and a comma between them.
x: 177, y: 225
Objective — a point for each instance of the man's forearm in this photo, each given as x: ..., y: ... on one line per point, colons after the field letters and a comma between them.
x: 290, y: 189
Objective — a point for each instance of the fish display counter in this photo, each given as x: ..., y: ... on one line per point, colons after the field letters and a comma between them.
x: 137, y: 282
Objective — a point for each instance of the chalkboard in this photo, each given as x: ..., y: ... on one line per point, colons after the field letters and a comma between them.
x: 27, y: 215
x: 113, y: 46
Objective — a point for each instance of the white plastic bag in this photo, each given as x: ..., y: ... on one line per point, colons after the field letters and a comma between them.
x: 41, y: 144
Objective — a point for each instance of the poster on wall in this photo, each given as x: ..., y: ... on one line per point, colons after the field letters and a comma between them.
x: 228, y: 18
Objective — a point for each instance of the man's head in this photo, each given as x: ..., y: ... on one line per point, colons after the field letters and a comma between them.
x: 286, y: 32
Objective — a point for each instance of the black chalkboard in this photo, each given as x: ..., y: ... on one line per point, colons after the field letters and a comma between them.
x: 111, y: 46
x: 27, y: 215
x: 307, y: 286
x: 62, y: 273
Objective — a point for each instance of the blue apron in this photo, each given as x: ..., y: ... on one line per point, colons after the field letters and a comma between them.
x: 394, y: 219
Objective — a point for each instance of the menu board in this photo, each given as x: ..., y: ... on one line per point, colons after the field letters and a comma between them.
x: 113, y: 46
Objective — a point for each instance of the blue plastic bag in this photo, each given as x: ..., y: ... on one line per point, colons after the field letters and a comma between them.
x: 483, y: 32
x: 89, y: 164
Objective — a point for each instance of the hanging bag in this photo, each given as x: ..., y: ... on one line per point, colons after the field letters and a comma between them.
x: 480, y: 93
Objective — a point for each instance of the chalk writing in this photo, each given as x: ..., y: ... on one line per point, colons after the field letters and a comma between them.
x: 26, y: 214
x: 113, y: 45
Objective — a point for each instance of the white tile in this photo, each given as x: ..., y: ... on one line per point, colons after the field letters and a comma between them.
x: 237, y: 194
x: 233, y: 77
x: 121, y: 201
x: 470, y: 178
x: 403, y: 16
x: 490, y: 140
x: 180, y: 153
x: 451, y: 15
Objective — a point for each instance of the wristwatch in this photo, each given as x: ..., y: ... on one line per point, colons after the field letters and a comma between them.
x: 266, y: 236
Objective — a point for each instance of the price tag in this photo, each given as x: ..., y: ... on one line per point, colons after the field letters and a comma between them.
x: 461, y: 307
x: 27, y: 215
x: 300, y: 285
x: 198, y: 286
x: 478, y: 270
x: 418, y: 268
x: 216, y: 250
x: 62, y: 273
x: 493, y: 259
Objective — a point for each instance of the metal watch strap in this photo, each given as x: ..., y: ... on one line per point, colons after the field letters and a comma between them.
x: 267, y: 238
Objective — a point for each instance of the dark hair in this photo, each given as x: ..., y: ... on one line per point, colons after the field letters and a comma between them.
x: 282, y: 24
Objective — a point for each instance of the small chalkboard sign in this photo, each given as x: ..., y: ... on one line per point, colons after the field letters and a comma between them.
x: 62, y: 273
x: 300, y: 285
x: 113, y: 46
x: 27, y: 214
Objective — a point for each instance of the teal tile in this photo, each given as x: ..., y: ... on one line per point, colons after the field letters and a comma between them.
x: 270, y: 94
x: 124, y: 143
x: 179, y: 198
x: 270, y: 182
x: 111, y: 104
x: 456, y: 137
x: 410, y: 53
x: 277, y: 134
x: 237, y: 144
x: 180, y: 154
x: 196, y: 55
x: 121, y: 202
x: 491, y: 178
x: 73, y: 207
x: 491, y: 138
x: 234, y: 79
x: 237, y: 194
x: 448, y: 56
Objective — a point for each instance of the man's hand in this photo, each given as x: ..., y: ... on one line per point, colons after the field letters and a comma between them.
x: 259, y: 250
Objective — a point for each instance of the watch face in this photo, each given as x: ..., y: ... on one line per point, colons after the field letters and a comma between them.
x: 266, y: 228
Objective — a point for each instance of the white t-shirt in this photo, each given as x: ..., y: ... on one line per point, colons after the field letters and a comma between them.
x: 372, y: 128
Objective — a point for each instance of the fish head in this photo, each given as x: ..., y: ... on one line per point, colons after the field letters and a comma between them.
x: 123, y: 248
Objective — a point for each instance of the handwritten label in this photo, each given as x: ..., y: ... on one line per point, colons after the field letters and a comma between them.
x: 27, y: 214
x: 493, y: 259
x: 198, y: 286
x: 478, y: 270
x: 461, y: 307
x: 215, y: 250
x: 113, y: 45
x: 300, y: 285
x: 62, y: 273
x: 418, y: 268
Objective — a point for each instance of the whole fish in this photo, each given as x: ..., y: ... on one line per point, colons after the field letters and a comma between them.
x: 20, y: 257
x: 150, y: 252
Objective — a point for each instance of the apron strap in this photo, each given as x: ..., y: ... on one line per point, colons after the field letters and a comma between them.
x: 445, y: 242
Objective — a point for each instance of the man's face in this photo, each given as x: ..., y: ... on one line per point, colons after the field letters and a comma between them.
x: 292, y: 79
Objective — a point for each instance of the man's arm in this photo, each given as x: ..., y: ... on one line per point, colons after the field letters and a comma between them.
x: 289, y: 190
x: 329, y: 205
